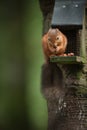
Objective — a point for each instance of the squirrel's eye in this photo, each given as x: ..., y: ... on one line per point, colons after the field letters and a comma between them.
x: 49, y: 39
x: 57, y: 38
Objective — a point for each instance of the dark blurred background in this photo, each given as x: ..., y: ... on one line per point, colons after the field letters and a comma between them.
x: 21, y: 102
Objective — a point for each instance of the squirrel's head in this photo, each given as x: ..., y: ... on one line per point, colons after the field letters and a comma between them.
x: 55, y: 37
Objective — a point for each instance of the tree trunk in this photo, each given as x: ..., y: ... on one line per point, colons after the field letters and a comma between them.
x: 64, y: 87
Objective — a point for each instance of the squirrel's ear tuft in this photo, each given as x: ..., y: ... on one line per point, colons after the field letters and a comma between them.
x: 57, y: 29
x: 49, y: 29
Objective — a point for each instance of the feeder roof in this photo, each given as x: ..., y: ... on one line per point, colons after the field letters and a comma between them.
x: 68, y: 13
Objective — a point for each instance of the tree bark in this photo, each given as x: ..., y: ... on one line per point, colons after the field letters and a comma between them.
x: 64, y: 87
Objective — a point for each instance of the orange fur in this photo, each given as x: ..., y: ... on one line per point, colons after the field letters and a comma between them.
x: 54, y: 43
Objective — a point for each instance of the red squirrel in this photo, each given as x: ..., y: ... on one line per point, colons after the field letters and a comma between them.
x: 54, y: 43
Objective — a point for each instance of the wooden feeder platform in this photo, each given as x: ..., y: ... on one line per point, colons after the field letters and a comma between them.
x: 68, y: 59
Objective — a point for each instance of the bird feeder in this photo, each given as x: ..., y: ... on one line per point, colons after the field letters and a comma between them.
x: 70, y: 17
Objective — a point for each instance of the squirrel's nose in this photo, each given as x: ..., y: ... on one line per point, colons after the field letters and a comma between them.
x: 55, y: 46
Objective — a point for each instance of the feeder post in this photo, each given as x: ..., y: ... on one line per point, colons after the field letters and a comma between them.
x: 67, y: 105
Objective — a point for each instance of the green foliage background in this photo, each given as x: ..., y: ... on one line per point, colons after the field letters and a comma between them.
x: 21, y: 59
x: 33, y: 34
